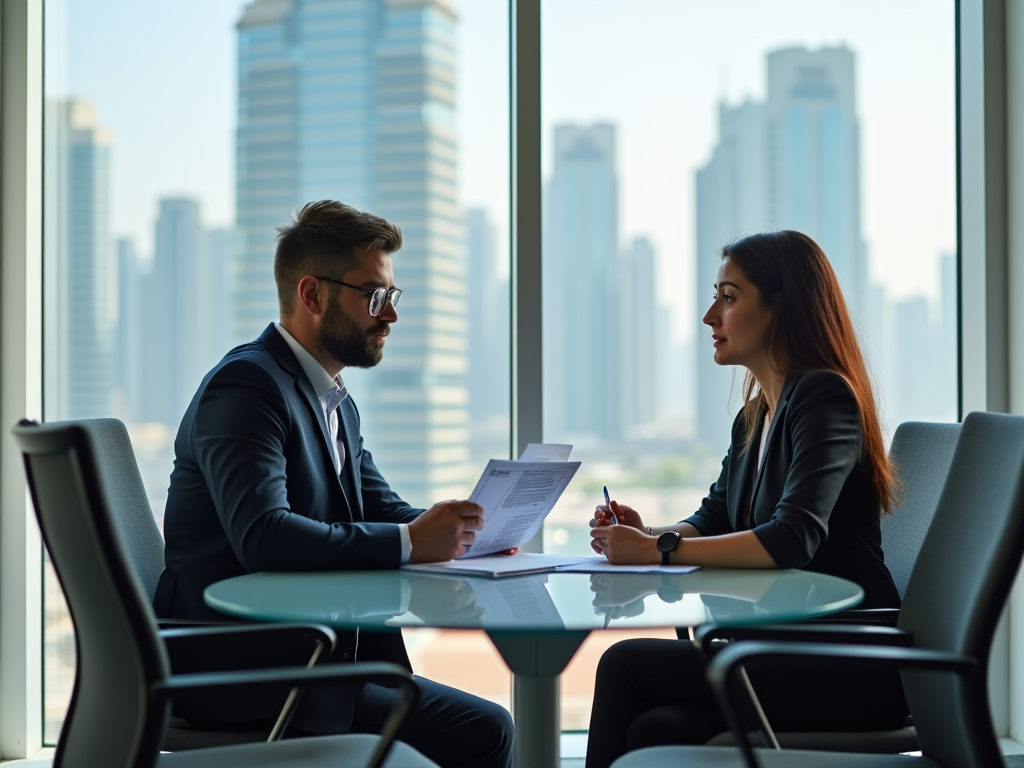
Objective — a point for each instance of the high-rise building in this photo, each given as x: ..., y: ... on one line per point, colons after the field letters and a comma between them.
x: 489, y: 306
x: 178, y: 245
x: 134, y: 295
x: 81, y: 276
x: 581, y: 298
x: 791, y: 162
x: 189, y: 295
x: 266, y: 169
x: 640, y: 330
x: 354, y: 100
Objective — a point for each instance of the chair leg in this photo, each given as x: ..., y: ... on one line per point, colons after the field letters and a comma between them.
x: 766, y: 727
x: 293, y: 699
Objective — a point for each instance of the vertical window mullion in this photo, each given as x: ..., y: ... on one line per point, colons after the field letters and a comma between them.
x: 21, y: 133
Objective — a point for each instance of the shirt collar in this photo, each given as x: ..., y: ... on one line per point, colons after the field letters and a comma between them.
x: 323, y: 385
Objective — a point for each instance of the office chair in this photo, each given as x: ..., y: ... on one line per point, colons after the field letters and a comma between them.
x: 123, y: 686
x: 922, y: 453
x: 959, y: 584
x: 220, y: 645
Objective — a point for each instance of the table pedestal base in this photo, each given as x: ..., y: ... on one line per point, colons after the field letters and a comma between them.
x: 536, y: 661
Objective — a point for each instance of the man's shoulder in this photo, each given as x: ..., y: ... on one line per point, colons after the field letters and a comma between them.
x: 249, y: 363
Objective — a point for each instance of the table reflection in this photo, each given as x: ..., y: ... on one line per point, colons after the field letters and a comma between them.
x: 539, y: 602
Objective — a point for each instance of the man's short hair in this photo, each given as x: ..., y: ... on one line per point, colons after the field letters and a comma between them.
x: 321, y: 239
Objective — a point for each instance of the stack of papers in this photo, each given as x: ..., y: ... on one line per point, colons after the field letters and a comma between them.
x: 499, y: 565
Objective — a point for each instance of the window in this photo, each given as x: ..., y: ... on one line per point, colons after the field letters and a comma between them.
x: 672, y: 128
x: 179, y: 136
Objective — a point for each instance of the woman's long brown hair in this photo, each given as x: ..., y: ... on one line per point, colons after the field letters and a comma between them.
x: 810, y: 329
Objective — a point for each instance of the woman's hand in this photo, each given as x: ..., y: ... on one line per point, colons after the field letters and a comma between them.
x: 625, y: 515
x: 625, y: 545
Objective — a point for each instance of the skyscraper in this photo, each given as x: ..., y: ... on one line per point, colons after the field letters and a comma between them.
x: 641, y: 326
x: 176, y: 257
x: 187, y: 331
x: 582, y: 270
x: 354, y: 100
x: 81, y: 276
x: 134, y: 291
x: 791, y: 162
x: 489, y: 360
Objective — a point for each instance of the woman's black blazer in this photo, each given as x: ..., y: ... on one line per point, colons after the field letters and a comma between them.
x: 813, y: 503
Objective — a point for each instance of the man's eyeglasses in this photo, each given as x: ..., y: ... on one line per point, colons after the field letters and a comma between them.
x: 379, y: 297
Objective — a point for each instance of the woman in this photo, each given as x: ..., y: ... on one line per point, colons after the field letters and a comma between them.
x: 801, y: 487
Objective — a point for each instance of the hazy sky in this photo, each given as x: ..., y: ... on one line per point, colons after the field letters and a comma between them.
x: 162, y: 75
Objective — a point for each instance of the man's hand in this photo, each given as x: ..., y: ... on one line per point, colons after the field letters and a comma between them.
x: 444, y: 531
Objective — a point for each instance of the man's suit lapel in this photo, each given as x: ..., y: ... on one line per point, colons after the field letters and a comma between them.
x: 286, y: 358
x: 348, y: 433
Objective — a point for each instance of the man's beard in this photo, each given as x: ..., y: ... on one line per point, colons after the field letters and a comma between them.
x: 343, y: 339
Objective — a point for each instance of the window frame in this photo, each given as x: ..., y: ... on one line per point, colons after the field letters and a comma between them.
x: 21, y: 375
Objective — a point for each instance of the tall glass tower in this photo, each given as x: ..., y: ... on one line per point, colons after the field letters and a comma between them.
x: 354, y: 100
x: 582, y: 274
x: 81, y: 271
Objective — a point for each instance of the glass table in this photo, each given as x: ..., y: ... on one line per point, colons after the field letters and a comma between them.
x: 536, y: 622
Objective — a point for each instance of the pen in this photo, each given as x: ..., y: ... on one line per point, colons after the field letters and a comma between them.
x: 608, y: 501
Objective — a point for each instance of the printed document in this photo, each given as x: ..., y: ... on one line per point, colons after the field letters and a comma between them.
x: 517, y: 496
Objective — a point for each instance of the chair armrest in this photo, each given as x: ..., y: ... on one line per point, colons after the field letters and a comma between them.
x: 876, y: 617
x: 303, y: 677
x: 211, y: 648
x: 246, y: 646
x: 724, y: 669
x: 802, y: 633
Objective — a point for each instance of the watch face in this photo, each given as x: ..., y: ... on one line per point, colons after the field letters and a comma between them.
x: 668, y: 541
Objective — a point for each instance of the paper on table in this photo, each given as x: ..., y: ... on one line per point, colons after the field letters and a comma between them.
x: 498, y: 565
x: 546, y: 452
x: 601, y: 565
x: 516, y: 497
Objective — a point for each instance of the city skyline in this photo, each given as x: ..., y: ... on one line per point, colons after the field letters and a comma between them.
x: 626, y: 404
x: 909, y: 211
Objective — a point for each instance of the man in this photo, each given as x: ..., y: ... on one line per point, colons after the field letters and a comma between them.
x: 270, y: 474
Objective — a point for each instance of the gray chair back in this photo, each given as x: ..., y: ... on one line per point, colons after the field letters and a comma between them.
x: 922, y: 453
x: 960, y: 583
x: 110, y: 721
x: 118, y: 473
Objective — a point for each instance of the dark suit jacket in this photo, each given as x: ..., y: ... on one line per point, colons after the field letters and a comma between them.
x: 814, y: 506
x: 254, y: 488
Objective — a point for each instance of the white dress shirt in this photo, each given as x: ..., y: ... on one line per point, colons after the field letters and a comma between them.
x: 331, y: 391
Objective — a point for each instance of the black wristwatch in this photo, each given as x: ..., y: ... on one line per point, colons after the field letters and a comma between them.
x: 668, y: 541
